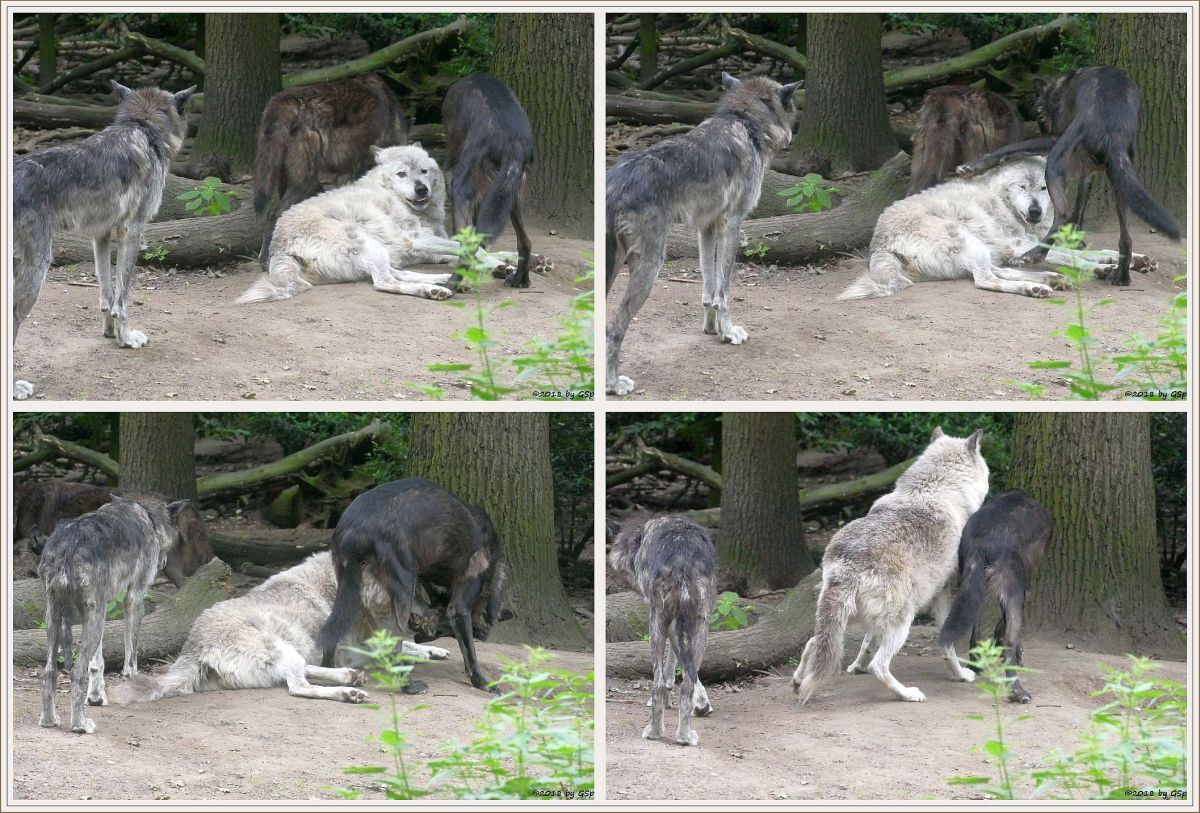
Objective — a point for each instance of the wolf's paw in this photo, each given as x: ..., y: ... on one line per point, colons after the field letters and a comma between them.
x: 732, y: 334
x: 86, y: 726
x: 436, y: 653
x: 964, y: 170
x: 1059, y: 282
x: 128, y: 671
x: 542, y: 264
x: 49, y: 722
x: 132, y: 339
x: 651, y: 733
x: 855, y: 669
x: 21, y: 390
x: 356, y: 696
x: 1142, y: 264
x: 110, y: 326
x: 690, y: 737
x: 1019, y: 695
x: 416, y: 687
x: 1038, y: 291
x: 516, y: 280
x: 358, y: 677
x: 502, y: 270
x: 624, y: 386
x: 438, y: 292
x: 702, y: 711
x: 912, y: 694
x: 963, y: 675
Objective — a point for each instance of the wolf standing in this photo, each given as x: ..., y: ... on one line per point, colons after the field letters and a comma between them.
x: 709, y: 178
x: 879, y: 570
x: 107, y: 186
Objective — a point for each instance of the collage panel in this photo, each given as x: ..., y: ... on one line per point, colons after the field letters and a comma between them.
x: 302, y: 606
x: 780, y: 187
x: 1014, y: 585
x: 181, y: 181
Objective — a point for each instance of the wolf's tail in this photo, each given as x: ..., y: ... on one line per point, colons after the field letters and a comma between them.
x: 884, y: 278
x: 182, y: 678
x: 964, y: 612
x: 1123, y: 177
x: 273, y: 143
x: 933, y: 152
x: 284, y: 281
x: 497, y: 204
x: 346, y: 607
x: 823, y: 652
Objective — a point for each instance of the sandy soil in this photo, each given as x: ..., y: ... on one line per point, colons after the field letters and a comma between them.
x: 335, y: 342
x: 854, y: 740
x: 933, y: 341
x: 251, y: 744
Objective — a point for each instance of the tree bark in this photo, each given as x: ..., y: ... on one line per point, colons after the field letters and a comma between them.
x: 845, y: 115
x: 546, y: 60
x: 47, y: 48
x: 242, y: 58
x: 157, y: 454
x: 761, y: 533
x: 1099, y: 585
x: 647, y: 47
x: 804, y: 237
x: 1152, y: 49
x: 501, y: 462
x: 163, y: 631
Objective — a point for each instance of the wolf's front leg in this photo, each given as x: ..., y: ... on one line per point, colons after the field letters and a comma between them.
x: 128, y: 245
x: 134, y: 607
x: 726, y: 257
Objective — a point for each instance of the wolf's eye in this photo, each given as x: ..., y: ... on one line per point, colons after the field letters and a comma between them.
x: 424, y: 172
x: 402, y: 174
x: 1042, y: 188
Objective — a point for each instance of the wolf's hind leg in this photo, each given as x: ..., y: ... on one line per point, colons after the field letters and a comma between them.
x: 383, y: 276
x: 1053, y: 279
x: 291, y: 669
x: 890, y: 641
x: 987, y: 279
x: 50, y: 673
x: 940, y: 609
x: 644, y: 267
x: 708, y: 240
x: 660, y: 692
x: 134, y: 609
x: 333, y: 676
x: 859, y: 667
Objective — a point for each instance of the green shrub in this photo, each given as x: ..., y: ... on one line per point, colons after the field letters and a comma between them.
x: 207, y: 198
x: 728, y: 614
x: 809, y: 195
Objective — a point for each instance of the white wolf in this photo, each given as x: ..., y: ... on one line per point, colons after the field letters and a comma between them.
x: 880, y: 569
x: 390, y: 218
x: 267, y: 638
x: 974, y: 228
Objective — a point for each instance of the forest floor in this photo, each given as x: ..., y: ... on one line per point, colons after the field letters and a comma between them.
x: 251, y: 744
x: 933, y: 341
x: 854, y: 740
x: 334, y: 342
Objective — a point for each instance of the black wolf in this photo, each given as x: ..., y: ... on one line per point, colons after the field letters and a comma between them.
x: 87, y: 562
x: 1002, y: 544
x: 489, y: 145
x: 105, y: 187
x: 958, y: 124
x: 1091, y: 117
x: 414, y: 529
x: 321, y: 129
x: 672, y: 562
x: 709, y: 177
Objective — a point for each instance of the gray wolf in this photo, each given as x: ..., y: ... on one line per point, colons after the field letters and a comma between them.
x: 413, y: 529
x: 709, y: 178
x: 489, y: 148
x: 958, y: 124
x: 267, y: 638
x: 1002, y: 545
x: 107, y: 186
x: 671, y: 562
x: 881, y: 569
x: 372, y: 229
x: 87, y: 562
x: 972, y: 228
x: 325, y: 129
x: 1091, y: 115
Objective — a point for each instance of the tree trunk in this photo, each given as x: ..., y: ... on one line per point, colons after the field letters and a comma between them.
x: 157, y: 454
x: 47, y: 48
x: 546, y: 59
x: 761, y: 533
x: 648, y: 47
x: 1152, y: 49
x: 501, y: 462
x: 845, y: 115
x: 163, y: 631
x: 242, y: 59
x: 1099, y: 585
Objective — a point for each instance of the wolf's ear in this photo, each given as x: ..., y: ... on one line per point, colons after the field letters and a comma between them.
x: 729, y: 81
x: 974, y: 441
x: 120, y: 90
x: 375, y: 150
x: 786, y: 92
x: 173, y: 509
x: 415, y: 144
x: 181, y: 98
x: 937, y: 433
x: 507, y: 614
x: 1039, y: 86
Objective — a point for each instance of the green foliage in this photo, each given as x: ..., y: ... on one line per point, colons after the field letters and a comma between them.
x: 571, y: 454
x: 115, y: 608
x: 809, y: 195
x: 155, y: 253
x: 207, y: 199
x: 472, y: 53
x: 728, y: 614
x: 752, y: 250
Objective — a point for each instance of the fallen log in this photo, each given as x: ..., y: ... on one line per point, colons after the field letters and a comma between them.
x: 188, y: 242
x: 264, y: 547
x: 163, y: 631
x: 799, y: 238
x: 51, y: 116
x: 82, y: 454
x: 777, y: 636
x: 28, y: 603
x: 767, y: 47
x: 627, y: 615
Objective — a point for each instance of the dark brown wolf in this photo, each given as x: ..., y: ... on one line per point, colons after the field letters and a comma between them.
x: 42, y: 504
x: 325, y: 129
x: 958, y: 124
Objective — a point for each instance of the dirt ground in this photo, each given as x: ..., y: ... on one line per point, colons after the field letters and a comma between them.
x: 334, y: 342
x: 933, y: 341
x: 250, y: 744
x: 854, y: 740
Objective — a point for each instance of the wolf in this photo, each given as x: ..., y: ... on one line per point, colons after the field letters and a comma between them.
x: 38, y: 506
x: 413, y: 529
x: 672, y: 562
x: 107, y: 187
x: 87, y: 562
x: 388, y: 219
x: 958, y: 124
x: 267, y: 638
x: 972, y: 228
x: 325, y: 129
x: 1091, y: 117
x: 881, y: 569
x: 489, y: 149
x: 710, y: 178
x: 1002, y: 545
